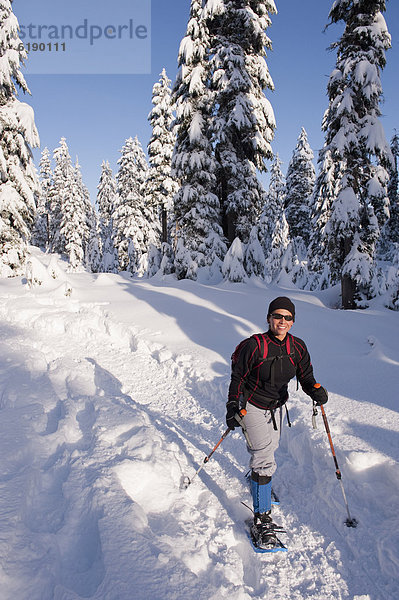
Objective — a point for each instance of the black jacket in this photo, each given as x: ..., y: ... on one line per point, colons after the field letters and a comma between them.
x: 264, y: 382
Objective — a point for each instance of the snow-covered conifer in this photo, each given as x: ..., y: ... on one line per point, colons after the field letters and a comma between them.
x: 272, y: 229
x: 264, y: 231
x: 243, y: 123
x: 393, y: 295
x: 162, y: 186
x: 393, y: 193
x: 74, y: 225
x: 19, y: 185
x: 71, y: 222
x: 233, y: 264
x: 254, y: 256
x: 153, y: 260
x: 356, y: 145
x: 273, y: 205
x: 133, y: 218
x: 300, y: 180
x: 106, y: 198
x: 63, y: 181
x: 393, y: 186
x: 93, y: 257
x: 198, y: 238
x: 275, y: 260
x: 166, y: 266
x: 90, y: 233
x: 41, y: 231
x: 324, y: 194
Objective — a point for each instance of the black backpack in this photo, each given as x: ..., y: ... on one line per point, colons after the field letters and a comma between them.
x: 263, y: 348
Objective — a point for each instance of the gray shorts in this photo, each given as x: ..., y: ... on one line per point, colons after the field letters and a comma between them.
x: 263, y: 437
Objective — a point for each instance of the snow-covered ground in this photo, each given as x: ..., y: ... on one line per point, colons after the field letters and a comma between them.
x: 113, y: 389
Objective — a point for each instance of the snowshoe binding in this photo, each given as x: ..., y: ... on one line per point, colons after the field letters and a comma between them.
x: 263, y: 534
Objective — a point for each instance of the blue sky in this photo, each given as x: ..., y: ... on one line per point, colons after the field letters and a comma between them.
x: 96, y: 113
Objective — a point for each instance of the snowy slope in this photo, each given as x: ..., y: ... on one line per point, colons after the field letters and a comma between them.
x: 113, y: 389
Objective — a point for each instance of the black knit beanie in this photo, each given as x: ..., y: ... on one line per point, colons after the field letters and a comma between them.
x: 282, y: 302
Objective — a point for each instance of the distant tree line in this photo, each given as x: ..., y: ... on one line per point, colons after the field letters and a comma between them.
x: 196, y: 207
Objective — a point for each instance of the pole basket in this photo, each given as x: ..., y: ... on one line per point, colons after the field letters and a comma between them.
x: 352, y: 522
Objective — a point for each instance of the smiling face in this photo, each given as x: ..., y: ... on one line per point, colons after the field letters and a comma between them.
x: 279, y: 326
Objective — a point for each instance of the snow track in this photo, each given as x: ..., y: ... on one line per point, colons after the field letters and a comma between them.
x: 101, y: 419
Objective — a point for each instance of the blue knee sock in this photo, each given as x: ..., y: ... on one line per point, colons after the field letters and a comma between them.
x: 261, y: 488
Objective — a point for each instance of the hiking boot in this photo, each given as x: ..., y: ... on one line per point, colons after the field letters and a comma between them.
x: 263, y: 530
x: 263, y: 518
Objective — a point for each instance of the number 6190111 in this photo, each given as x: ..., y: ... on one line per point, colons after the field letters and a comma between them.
x: 42, y: 47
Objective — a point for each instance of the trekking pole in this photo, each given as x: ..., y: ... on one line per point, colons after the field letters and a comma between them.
x: 314, y: 415
x: 239, y: 420
x: 350, y: 521
x: 187, y: 481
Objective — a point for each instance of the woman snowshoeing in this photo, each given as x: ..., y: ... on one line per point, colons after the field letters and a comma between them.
x: 262, y: 366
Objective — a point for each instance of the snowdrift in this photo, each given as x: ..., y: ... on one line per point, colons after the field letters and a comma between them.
x: 112, y: 389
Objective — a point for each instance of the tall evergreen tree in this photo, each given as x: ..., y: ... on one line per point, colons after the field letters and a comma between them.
x: 393, y: 192
x: 275, y: 260
x: 273, y: 226
x: 93, y: 259
x: 63, y: 182
x: 269, y: 250
x: 71, y: 213
x: 133, y: 218
x: 273, y: 205
x: 356, y: 146
x: 393, y: 295
x: 300, y: 182
x: 233, y: 263
x: 198, y: 238
x: 162, y: 186
x: 262, y: 234
x: 19, y: 184
x: 88, y: 225
x: 243, y: 121
x: 324, y: 194
x: 254, y: 256
x: 74, y: 229
x: 106, y: 198
x: 41, y: 232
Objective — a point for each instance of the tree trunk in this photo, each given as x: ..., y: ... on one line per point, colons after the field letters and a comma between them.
x: 47, y: 232
x: 164, y: 225
x: 231, y: 228
x: 348, y: 290
x: 221, y: 188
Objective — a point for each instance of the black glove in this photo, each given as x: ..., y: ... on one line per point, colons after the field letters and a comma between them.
x: 319, y: 395
x: 232, y: 409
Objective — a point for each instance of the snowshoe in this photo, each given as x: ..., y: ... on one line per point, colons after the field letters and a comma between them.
x: 263, y: 532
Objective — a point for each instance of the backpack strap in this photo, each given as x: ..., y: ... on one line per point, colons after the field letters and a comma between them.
x: 289, y: 344
x: 288, y: 416
x: 291, y: 354
x: 263, y: 348
x: 237, y: 351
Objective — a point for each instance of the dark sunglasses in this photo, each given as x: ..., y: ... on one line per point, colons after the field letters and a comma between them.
x: 278, y: 317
